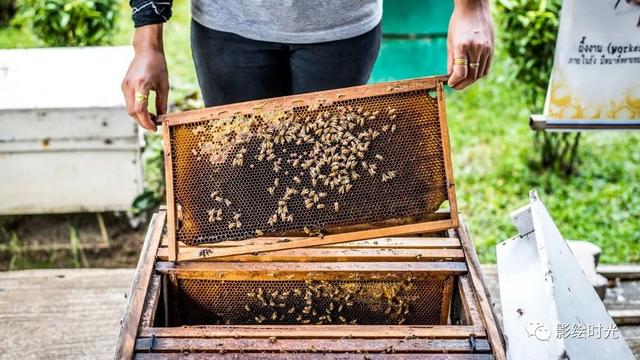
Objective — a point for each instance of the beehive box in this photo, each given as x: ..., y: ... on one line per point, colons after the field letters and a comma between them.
x: 240, y: 265
x: 70, y: 133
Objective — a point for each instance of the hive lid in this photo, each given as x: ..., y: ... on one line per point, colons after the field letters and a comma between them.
x: 76, y: 77
x: 318, y: 168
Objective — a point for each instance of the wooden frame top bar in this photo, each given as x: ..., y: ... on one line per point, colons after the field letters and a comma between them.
x: 268, y: 271
x: 291, y: 101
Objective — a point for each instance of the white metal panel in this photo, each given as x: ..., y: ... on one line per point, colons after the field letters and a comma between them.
x: 542, y: 289
x: 524, y: 299
x: 85, y: 77
x: 68, y: 181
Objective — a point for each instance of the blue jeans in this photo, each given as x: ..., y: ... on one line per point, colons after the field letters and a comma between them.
x: 232, y: 68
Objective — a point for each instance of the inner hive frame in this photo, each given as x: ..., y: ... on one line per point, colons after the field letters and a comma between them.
x: 319, y: 168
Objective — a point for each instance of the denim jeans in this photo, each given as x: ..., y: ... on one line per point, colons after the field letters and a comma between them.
x: 232, y: 68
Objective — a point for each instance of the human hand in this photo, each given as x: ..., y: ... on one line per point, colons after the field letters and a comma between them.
x: 148, y: 71
x: 470, y: 42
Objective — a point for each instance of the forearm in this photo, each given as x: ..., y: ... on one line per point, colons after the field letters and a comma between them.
x: 148, y: 12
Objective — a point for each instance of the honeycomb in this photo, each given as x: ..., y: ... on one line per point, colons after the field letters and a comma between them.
x: 309, y: 168
x: 288, y: 302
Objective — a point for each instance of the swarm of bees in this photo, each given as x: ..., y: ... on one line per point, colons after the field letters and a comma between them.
x: 317, y: 156
x: 322, y: 303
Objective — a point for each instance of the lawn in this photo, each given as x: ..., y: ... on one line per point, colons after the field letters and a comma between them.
x: 493, y: 155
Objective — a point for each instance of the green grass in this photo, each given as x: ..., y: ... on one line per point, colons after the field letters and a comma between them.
x: 493, y: 155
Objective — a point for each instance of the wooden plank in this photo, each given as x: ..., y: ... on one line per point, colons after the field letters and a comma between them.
x: 307, y: 99
x: 623, y: 271
x: 338, y: 254
x: 626, y: 317
x: 409, y: 229
x: 316, y: 331
x: 623, y: 295
x: 632, y: 335
x: 468, y: 301
x: 317, y: 271
x: 412, y: 242
x: 46, y: 314
x: 171, y: 206
x: 274, y: 344
x: 400, y: 243
x: 57, y: 246
x: 138, y: 291
x: 151, y: 302
x: 312, y: 356
x: 446, y: 152
x: 447, y: 300
x: 477, y: 283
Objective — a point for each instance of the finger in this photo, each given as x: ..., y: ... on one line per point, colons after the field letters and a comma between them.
x: 475, y: 57
x: 459, y: 71
x: 483, y: 64
x: 142, y: 113
x: 162, y: 99
x: 128, y: 98
x: 488, y: 64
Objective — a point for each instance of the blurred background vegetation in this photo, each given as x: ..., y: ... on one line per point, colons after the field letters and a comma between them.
x: 497, y: 158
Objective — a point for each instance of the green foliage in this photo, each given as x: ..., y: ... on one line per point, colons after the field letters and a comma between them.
x: 70, y: 22
x: 154, y: 189
x: 528, y: 30
x: 495, y: 166
x: 7, y: 11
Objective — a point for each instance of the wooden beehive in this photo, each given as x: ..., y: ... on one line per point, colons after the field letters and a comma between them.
x: 403, y: 283
x: 70, y: 133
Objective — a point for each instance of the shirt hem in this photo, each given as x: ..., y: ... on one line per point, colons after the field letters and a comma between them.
x: 261, y: 34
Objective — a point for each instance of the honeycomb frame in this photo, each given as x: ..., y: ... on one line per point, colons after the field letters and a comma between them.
x: 222, y: 140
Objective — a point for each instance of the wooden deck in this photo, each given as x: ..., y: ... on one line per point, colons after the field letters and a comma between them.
x: 45, y: 314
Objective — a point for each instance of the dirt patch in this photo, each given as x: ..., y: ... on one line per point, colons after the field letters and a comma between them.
x: 69, y: 240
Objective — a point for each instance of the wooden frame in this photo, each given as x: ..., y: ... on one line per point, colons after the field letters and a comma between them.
x: 178, y: 253
x: 478, y: 338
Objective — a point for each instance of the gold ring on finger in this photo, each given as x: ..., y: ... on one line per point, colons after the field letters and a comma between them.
x: 460, y: 61
x: 140, y: 97
x: 474, y: 65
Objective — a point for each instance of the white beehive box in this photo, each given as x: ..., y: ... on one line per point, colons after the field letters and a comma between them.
x: 66, y: 141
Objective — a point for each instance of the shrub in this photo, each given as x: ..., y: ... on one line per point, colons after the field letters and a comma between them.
x: 7, y: 11
x: 529, y: 30
x: 70, y: 22
x: 528, y: 33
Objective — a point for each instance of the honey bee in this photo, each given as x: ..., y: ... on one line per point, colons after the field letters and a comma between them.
x: 227, y: 202
x: 259, y: 232
x: 336, y: 206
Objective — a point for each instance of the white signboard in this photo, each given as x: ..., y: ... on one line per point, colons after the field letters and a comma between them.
x: 596, y: 71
